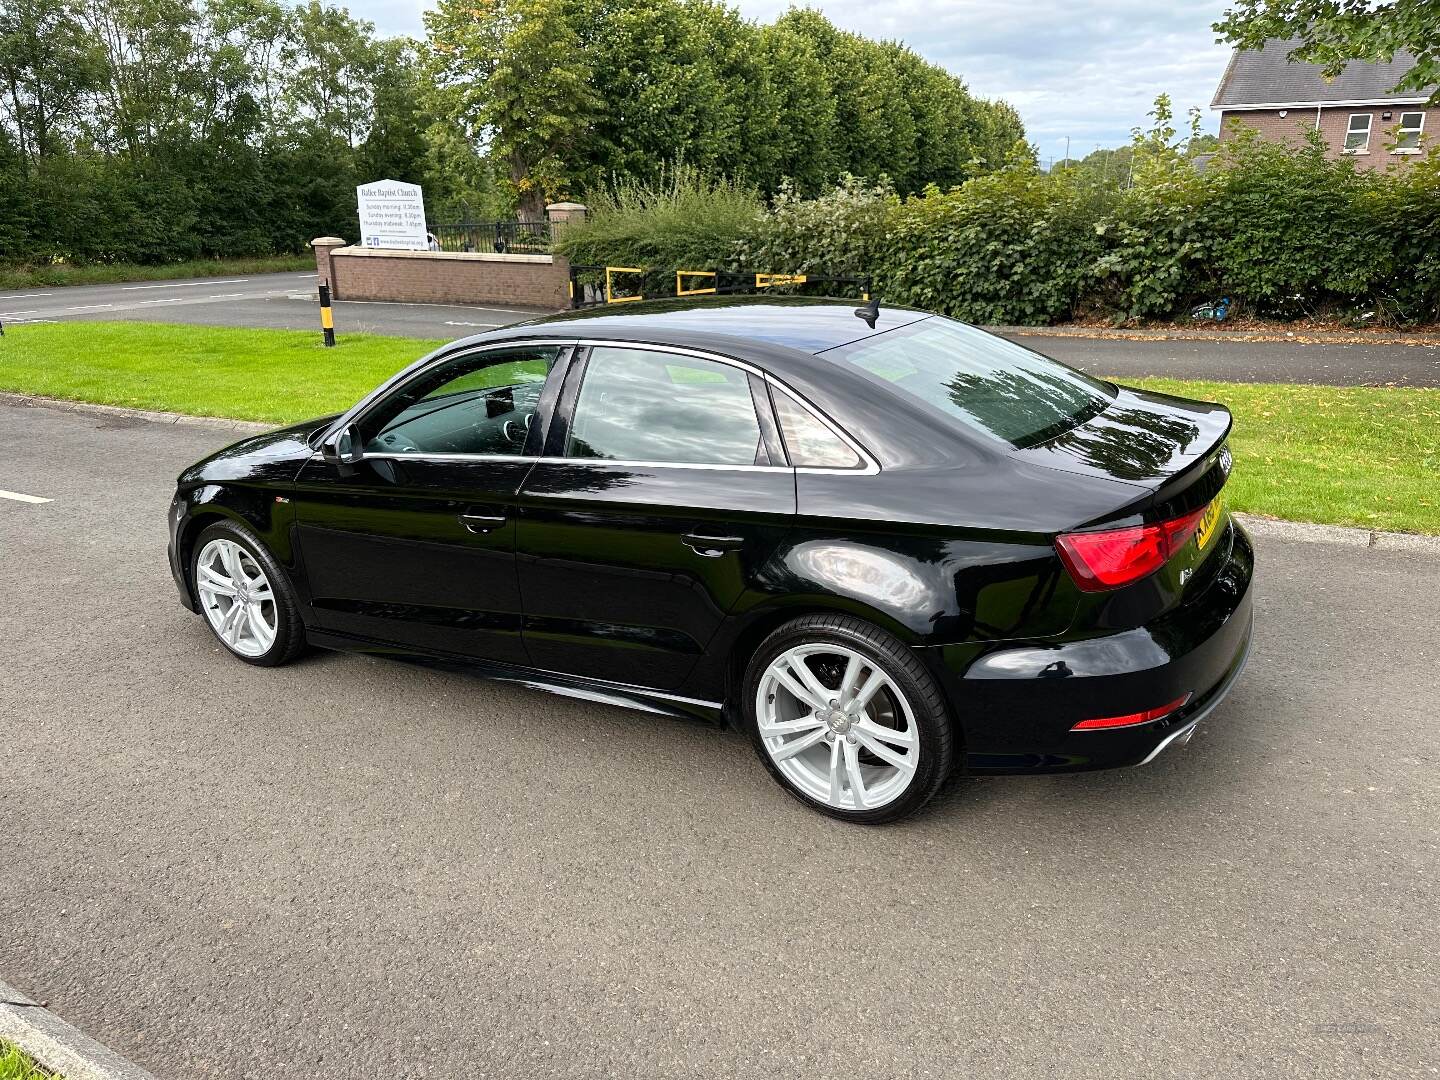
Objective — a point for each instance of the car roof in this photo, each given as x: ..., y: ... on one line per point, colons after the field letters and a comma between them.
x: 784, y: 336
x: 804, y: 324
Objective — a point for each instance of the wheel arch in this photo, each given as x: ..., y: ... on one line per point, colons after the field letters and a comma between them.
x: 254, y: 509
x: 750, y: 629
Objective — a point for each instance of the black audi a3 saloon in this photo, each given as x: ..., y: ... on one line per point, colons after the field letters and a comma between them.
x: 884, y: 544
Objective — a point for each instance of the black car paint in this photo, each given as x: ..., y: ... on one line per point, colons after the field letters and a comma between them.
x: 585, y: 583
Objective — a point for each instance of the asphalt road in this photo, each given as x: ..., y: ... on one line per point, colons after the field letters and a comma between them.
x: 262, y: 301
x: 357, y: 868
x: 288, y: 301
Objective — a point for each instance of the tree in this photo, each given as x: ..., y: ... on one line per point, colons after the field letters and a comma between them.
x: 47, y: 66
x: 1334, y: 32
x: 511, y: 75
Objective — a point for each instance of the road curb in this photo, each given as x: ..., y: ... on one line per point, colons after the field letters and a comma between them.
x: 32, y: 401
x: 1283, y: 337
x: 58, y: 1046
x: 1369, y: 539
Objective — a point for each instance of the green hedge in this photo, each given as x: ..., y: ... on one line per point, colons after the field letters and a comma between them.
x: 1283, y: 231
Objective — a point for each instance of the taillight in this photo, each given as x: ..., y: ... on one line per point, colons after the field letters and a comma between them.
x: 1106, y: 560
x: 1131, y: 719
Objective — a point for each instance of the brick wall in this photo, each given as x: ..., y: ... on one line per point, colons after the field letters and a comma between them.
x: 1334, y: 122
x: 444, y: 277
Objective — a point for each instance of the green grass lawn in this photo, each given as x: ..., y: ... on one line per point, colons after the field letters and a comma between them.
x: 1367, y: 456
x: 15, y: 1065
x: 271, y: 375
x: 29, y: 277
x: 1341, y: 456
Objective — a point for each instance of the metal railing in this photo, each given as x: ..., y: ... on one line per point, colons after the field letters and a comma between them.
x: 592, y: 286
x: 500, y: 237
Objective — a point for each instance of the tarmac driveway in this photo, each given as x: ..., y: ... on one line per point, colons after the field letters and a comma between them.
x: 358, y: 868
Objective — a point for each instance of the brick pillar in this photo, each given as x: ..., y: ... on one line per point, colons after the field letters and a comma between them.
x: 562, y: 213
x: 323, y: 245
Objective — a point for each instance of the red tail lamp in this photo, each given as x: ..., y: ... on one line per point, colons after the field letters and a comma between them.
x: 1131, y: 719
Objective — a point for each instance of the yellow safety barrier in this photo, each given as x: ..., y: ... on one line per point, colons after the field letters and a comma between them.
x: 681, y: 275
x: 610, y: 297
x: 764, y: 281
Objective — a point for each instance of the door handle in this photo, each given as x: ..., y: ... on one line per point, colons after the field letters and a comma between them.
x: 712, y: 547
x: 481, y: 523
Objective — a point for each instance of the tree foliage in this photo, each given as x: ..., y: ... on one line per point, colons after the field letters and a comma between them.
x: 1281, y: 230
x: 625, y: 88
x: 1331, y: 33
x: 158, y: 130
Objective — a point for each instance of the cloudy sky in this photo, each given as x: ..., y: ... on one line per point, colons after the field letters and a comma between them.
x: 1086, y: 69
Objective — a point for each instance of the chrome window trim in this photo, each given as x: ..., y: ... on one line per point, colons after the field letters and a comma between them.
x: 549, y: 459
x: 870, y: 467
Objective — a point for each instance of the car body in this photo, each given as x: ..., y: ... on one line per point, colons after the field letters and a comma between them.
x: 571, y: 563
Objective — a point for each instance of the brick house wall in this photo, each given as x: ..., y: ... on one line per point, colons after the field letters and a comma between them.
x: 1334, y: 122
x: 442, y: 277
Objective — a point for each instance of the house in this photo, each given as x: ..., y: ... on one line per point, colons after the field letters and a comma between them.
x: 1355, y: 113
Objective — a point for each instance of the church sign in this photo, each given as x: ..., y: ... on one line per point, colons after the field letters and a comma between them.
x: 392, y: 215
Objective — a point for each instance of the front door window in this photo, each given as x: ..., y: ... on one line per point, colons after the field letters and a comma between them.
x: 477, y: 404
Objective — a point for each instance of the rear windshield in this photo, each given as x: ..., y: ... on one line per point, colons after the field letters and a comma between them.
x: 988, y: 383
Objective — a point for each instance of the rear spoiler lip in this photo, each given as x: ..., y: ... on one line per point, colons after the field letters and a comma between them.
x: 1191, y: 488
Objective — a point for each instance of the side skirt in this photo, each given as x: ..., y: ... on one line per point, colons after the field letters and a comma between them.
x: 620, y: 694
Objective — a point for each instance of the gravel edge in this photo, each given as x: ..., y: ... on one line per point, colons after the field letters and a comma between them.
x: 60, y: 1047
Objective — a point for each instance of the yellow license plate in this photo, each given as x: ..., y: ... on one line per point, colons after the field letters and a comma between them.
x: 1209, y: 524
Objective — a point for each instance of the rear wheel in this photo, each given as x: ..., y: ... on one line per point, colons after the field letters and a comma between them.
x: 847, y: 719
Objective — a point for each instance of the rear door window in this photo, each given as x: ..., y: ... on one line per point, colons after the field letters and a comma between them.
x: 645, y: 405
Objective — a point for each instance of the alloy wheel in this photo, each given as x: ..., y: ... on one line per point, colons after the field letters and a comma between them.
x: 237, y: 597
x: 837, y: 726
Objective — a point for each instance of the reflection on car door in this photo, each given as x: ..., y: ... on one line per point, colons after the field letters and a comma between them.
x: 668, y: 500
x: 416, y: 546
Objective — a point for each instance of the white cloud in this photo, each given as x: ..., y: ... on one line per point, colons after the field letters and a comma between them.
x: 1081, y: 69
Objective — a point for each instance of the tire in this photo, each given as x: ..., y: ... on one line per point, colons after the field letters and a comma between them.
x: 899, y: 742
x: 267, y: 630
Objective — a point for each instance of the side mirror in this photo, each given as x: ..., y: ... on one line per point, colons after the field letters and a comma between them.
x: 343, y: 448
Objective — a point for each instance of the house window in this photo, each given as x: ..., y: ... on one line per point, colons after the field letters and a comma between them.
x: 1357, y: 136
x: 1407, y: 135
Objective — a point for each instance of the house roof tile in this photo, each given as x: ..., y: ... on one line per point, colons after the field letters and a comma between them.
x: 1266, y: 76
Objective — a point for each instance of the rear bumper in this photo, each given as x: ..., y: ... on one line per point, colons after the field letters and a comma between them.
x: 1018, y: 705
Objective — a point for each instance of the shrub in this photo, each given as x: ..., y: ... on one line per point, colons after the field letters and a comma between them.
x: 684, y: 220
x: 1012, y: 247
x: 841, y: 232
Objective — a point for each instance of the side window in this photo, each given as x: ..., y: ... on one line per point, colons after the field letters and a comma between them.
x: 1357, y: 135
x: 810, y: 443
x: 1407, y: 135
x: 641, y: 405
x: 478, y: 403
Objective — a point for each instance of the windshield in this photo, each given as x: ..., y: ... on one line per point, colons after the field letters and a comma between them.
x: 989, y: 384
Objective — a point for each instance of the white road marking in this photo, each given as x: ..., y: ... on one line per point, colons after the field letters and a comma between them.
x: 186, y: 284
x: 452, y: 322
x: 224, y: 295
x: 11, y: 314
x: 22, y: 498
x: 25, y: 295
x: 170, y: 300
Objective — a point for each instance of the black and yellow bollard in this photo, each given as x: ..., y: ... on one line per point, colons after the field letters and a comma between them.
x: 327, y: 317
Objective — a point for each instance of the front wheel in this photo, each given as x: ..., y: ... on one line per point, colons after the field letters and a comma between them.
x: 245, y: 597
x: 847, y: 719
